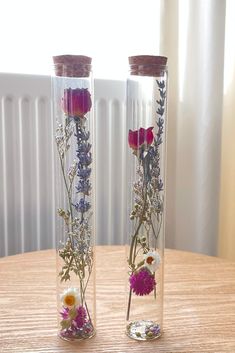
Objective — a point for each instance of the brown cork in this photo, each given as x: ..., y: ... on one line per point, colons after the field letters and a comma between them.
x: 147, y: 65
x: 72, y: 65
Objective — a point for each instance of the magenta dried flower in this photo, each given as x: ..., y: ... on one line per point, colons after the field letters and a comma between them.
x: 76, y: 102
x: 80, y: 319
x: 142, y: 282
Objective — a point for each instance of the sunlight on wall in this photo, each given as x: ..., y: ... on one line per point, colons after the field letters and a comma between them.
x: 183, y: 36
x: 227, y: 193
x: 107, y: 30
x: 229, y: 45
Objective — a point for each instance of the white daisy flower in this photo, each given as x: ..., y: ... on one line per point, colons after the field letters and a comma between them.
x: 152, y: 260
x: 70, y: 297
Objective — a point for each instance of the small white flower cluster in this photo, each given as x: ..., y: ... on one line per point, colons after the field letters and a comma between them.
x: 72, y: 170
x: 145, y: 207
x: 63, y: 134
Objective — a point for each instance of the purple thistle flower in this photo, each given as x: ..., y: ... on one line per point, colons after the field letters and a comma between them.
x: 142, y: 282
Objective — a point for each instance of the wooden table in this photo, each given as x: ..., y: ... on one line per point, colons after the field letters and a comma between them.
x: 199, y: 305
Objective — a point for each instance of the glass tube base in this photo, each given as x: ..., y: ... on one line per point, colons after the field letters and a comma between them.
x: 143, y: 330
x: 80, y: 334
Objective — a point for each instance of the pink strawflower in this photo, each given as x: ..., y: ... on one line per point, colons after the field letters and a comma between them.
x: 142, y: 282
x: 80, y: 319
x: 64, y: 313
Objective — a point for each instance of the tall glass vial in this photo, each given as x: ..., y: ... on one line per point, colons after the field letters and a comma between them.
x: 146, y: 119
x: 74, y: 140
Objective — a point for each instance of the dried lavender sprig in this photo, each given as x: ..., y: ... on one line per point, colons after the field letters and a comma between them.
x: 158, y: 140
x: 84, y: 160
x: 81, y: 169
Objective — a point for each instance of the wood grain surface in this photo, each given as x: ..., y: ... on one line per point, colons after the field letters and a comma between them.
x: 199, y: 305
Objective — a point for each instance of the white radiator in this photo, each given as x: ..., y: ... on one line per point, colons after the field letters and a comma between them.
x: 27, y: 209
x: 27, y: 176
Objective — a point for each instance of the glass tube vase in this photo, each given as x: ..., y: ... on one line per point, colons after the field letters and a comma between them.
x: 72, y: 87
x: 146, y: 146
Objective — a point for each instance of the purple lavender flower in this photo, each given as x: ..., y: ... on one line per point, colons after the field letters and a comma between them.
x: 152, y: 152
x: 84, y: 158
x: 83, y: 186
x: 83, y: 248
x: 155, y: 329
x: 82, y: 135
x: 84, y: 147
x: 84, y: 173
x: 161, y: 84
x: 142, y: 282
x: 152, y: 331
x: 82, y: 206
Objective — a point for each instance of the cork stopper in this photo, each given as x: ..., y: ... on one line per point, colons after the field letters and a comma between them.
x: 72, y: 65
x: 147, y: 65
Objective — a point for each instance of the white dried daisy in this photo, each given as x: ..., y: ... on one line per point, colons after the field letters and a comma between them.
x: 70, y: 297
x: 152, y: 260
